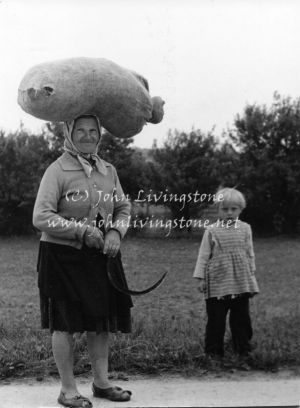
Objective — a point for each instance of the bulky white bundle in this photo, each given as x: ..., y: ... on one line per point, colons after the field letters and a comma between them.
x: 65, y: 89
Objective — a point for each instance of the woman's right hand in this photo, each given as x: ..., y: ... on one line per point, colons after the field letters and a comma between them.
x: 93, y: 238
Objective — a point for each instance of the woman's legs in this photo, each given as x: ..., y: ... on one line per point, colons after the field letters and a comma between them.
x: 62, y: 347
x: 98, y: 345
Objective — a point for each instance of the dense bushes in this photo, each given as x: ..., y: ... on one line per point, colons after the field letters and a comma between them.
x: 259, y: 155
x: 268, y: 139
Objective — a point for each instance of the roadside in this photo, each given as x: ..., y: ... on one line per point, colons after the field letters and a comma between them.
x: 237, y: 389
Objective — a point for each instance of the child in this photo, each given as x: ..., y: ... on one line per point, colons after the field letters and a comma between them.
x: 225, y: 269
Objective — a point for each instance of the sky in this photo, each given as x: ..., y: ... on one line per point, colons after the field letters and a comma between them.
x: 206, y: 58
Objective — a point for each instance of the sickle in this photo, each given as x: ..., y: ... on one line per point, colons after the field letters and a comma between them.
x: 112, y: 272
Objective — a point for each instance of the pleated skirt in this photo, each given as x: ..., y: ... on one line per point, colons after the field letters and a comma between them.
x: 76, y: 294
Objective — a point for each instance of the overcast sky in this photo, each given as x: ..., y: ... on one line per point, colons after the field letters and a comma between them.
x: 206, y: 58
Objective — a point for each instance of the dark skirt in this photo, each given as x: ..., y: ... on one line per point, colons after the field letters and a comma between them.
x: 76, y: 294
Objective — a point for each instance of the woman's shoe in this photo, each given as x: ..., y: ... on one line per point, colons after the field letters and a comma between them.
x: 112, y: 393
x: 77, y: 401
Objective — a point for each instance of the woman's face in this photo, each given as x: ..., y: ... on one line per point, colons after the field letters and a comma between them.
x: 85, y: 134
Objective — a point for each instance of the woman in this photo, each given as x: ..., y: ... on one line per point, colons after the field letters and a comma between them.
x: 83, y: 215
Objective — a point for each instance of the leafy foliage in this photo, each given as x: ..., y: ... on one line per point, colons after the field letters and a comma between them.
x: 133, y: 170
x: 188, y: 163
x: 259, y: 156
x: 268, y: 139
x: 23, y: 159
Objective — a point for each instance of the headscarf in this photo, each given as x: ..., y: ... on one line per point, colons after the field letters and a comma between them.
x: 83, y: 158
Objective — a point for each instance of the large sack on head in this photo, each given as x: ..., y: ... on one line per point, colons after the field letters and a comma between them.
x: 157, y: 109
x: 64, y: 89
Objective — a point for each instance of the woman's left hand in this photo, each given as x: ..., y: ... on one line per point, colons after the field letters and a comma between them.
x: 112, y: 243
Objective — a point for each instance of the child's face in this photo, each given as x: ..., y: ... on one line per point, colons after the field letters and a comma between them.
x: 229, y: 211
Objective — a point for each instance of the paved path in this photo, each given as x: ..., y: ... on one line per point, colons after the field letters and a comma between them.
x: 165, y: 392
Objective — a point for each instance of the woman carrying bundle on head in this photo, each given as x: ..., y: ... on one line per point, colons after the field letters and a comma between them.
x: 80, y: 231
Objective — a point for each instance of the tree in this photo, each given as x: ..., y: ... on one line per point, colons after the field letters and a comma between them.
x: 228, y: 162
x: 23, y: 159
x: 55, y: 135
x: 187, y: 164
x: 268, y: 139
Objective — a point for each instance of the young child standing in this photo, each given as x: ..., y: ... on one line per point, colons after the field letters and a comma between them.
x: 225, y: 269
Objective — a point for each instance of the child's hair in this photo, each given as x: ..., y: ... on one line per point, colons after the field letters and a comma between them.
x: 230, y: 195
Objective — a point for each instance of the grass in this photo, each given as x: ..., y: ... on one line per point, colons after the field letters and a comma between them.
x: 169, y: 323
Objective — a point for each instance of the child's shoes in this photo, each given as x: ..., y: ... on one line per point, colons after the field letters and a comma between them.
x: 214, y: 361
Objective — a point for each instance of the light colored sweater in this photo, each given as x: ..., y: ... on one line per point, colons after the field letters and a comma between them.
x: 68, y: 202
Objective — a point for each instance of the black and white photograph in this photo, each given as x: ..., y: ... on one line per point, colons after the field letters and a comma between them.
x: 149, y: 203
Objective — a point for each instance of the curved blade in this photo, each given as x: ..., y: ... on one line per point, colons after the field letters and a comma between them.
x: 128, y: 291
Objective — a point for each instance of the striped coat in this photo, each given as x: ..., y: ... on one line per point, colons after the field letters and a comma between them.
x: 226, y: 260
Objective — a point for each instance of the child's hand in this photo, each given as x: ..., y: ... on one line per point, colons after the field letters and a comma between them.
x: 202, y: 285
